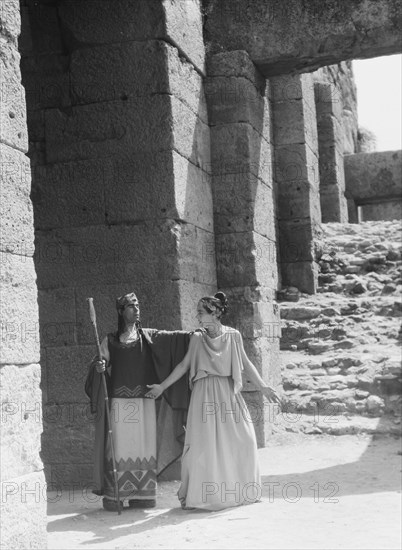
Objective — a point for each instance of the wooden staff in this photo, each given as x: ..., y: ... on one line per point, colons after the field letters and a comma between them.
x: 92, y: 315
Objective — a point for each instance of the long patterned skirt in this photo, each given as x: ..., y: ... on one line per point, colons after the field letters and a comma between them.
x: 220, y: 462
x: 134, y: 436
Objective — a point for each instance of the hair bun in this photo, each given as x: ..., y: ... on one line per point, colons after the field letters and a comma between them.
x: 221, y: 296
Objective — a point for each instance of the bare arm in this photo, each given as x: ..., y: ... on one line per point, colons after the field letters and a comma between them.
x: 180, y: 370
x: 255, y: 378
x: 251, y: 372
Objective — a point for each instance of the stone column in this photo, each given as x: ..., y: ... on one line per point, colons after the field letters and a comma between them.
x: 122, y: 200
x: 329, y: 109
x: 23, y: 503
x: 244, y: 214
x: 296, y: 163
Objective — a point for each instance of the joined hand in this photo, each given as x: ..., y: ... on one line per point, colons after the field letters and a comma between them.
x: 155, y: 391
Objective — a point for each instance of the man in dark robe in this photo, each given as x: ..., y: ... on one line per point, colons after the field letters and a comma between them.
x: 144, y: 445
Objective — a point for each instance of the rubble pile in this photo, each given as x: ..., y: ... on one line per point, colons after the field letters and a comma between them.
x: 341, y: 355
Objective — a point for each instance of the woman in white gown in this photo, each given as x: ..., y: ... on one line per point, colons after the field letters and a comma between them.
x: 219, y: 462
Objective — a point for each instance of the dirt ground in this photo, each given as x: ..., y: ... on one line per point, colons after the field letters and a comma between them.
x: 324, y: 492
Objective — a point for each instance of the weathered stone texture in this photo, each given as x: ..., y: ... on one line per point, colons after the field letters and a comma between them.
x: 23, y: 512
x: 245, y: 259
x: 21, y: 405
x: 122, y: 190
x: 296, y: 172
x: 19, y: 310
x: 96, y: 255
x: 16, y: 213
x: 373, y: 176
x: 340, y: 100
x: 125, y: 70
x: 390, y: 210
x: 281, y: 37
x: 12, y: 101
x: 137, y: 125
x: 52, y: 89
x: 100, y: 22
x: 241, y: 147
x: 330, y: 147
x: 10, y: 20
x: 304, y: 275
x: 243, y: 203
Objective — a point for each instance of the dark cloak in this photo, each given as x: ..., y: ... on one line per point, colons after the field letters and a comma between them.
x: 168, y: 349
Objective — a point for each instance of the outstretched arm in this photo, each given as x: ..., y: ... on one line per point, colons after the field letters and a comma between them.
x: 254, y: 377
x: 155, y: 390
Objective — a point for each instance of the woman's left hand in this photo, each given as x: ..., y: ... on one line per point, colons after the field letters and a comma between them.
x: 272, y: 395
x: 155, y: 391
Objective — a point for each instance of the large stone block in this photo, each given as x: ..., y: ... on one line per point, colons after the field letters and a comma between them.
x: 239, y: 148
x: 106, y: 255
x: 387, y: 210
x: 157, y: 123
x: 46, y: 80
x: 245, y: 259
x: 10, y: 20
x: 373, y: 175
x: 41, y: 30
x: 330, y: 132
x: 236, y: 99
x: 184, y: 27
x: 57, y: 318
x: 19, y: 310
x: 36, y: 125
x: 294, y: 36
x: 294, y: 123
x: 68, y: 434
x: 161, y: 185
x: 21, y: 406
x: 70, y: 194
x: 16, y: 215
x: 296, y: 240
x: 243, y: 203
x: 238, y: 64
x: 287, y: 88
x: 263, y: 352
x: 23, y: 511
x: 328, y: 100
x: 109, y: 21
x: 66, y: 371
x: 333, y: 205
x: 332, y: 172
x: 128, y: 69
x: 296, y: 162
x: 302, y: 275
x: 100, y: 22
x: 298, y: 199
x: 13, y: 123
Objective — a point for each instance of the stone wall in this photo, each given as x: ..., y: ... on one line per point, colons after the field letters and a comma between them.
x: 344, y: 97
x: 23, y: 502
x: 297, y: 176
x: 119, y: 143
x: 371, y: 179
x: 298, y: 36
x: 240, y: 114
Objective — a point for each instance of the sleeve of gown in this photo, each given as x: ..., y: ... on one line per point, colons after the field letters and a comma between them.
x: 237, y: 361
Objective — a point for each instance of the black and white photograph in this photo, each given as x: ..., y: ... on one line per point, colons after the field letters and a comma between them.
x: 201, y: 274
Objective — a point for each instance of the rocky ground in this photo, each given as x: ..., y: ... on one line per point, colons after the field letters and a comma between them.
x: 341, y: 348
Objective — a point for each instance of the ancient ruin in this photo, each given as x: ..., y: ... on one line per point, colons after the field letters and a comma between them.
x: 172, y: 147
